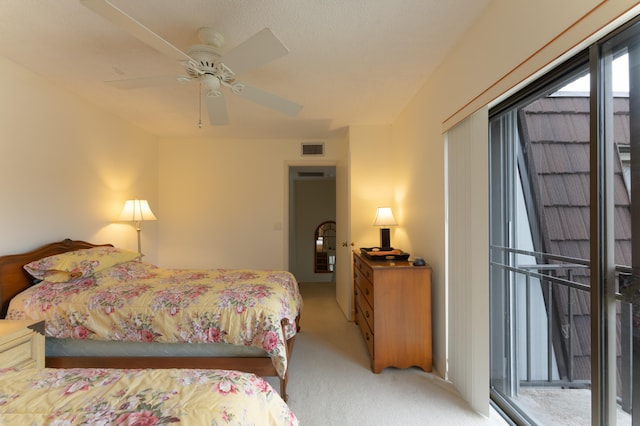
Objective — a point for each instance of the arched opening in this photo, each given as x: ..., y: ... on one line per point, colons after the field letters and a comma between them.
x: 325, y: 247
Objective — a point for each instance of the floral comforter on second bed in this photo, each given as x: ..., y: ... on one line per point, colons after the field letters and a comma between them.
x: 142, y: 397
x: 137, y: 301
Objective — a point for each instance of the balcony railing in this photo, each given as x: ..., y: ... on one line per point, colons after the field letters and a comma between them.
x: 552, y: 275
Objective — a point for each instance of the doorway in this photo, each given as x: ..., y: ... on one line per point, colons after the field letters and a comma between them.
x: 312, y: 201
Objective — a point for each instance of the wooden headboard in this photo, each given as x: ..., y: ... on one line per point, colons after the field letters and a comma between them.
x: 13, y: 277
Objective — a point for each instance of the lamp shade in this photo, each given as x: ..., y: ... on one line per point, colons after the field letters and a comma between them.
x: 136, y: 211
x: 384, y: 217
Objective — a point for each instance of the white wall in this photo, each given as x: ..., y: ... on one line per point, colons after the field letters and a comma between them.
x: 371, y: 186
x: 224, y: 203
x: 66, y: 168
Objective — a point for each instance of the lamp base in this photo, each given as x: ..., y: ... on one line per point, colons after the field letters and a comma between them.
x: 138, y: 229
x: 385, y: 240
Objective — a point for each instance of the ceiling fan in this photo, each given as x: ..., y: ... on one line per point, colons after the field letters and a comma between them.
x: 205, y: 64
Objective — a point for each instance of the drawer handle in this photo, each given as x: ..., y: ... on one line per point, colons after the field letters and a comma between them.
x: 366, y: 314
x: 367, y: 337
x: 366, y: 291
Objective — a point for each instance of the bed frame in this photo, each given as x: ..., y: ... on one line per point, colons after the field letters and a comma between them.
x: 14, y: 279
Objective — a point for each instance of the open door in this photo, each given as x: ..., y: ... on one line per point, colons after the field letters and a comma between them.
x: 344, y: 273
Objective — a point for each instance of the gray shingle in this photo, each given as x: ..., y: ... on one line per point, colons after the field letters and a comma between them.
x: 555, y: 139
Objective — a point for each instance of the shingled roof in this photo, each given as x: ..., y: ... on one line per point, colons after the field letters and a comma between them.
x: 554, y: 137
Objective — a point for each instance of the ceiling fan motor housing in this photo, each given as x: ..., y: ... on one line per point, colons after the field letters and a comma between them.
x: 208, y: 62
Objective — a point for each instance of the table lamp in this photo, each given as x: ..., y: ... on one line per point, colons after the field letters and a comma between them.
x: 384, y: 218
x: 137, y: 211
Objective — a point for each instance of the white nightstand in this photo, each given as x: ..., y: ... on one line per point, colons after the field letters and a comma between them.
x: 21, y: 344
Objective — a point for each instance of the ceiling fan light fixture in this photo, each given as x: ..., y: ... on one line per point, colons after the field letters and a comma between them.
x: 211, y: 82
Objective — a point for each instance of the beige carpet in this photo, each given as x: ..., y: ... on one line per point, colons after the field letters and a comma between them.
x: 331, y: 383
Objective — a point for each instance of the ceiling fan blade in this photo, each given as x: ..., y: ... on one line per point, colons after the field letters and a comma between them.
x: 259, y: 49
x: 144, y: 82
x: 110, y: 12
x: 217, y: 108
x: 269, y: 100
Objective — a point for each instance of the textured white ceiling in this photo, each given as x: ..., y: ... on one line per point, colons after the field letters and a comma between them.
x: 349, y: 61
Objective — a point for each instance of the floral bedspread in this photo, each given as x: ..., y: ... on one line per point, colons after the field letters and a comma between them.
x: 139, y: 397
x: 137, y: 301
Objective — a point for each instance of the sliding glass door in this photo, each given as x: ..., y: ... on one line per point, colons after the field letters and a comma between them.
x: 564, y: 269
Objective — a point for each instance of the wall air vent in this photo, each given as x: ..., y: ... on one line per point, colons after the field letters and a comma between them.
x: 313, y: 149
x: 310, y: 174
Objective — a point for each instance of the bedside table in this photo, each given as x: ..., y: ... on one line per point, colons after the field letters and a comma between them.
x: 21, y: 344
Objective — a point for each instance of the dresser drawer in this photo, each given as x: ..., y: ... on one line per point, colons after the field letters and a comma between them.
x: 363, y: 268
x: 17, y: 353
x: 365, y: 287
x: 365, y: 309
x: 21, y: 344
x: 365, y: 329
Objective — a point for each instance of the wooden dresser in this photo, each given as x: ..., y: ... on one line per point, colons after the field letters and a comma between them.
x: 393, y: 311
x: 21, y: 344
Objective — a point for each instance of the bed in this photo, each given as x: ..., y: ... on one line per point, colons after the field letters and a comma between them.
x: 143, y: 396
x: 149, y: 317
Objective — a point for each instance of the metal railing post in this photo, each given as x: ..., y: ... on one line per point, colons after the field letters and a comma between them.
x: 570, y: 334
x: 626, y: 348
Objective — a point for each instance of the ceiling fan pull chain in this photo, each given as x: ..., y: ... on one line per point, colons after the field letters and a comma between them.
x: 200, y: 104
